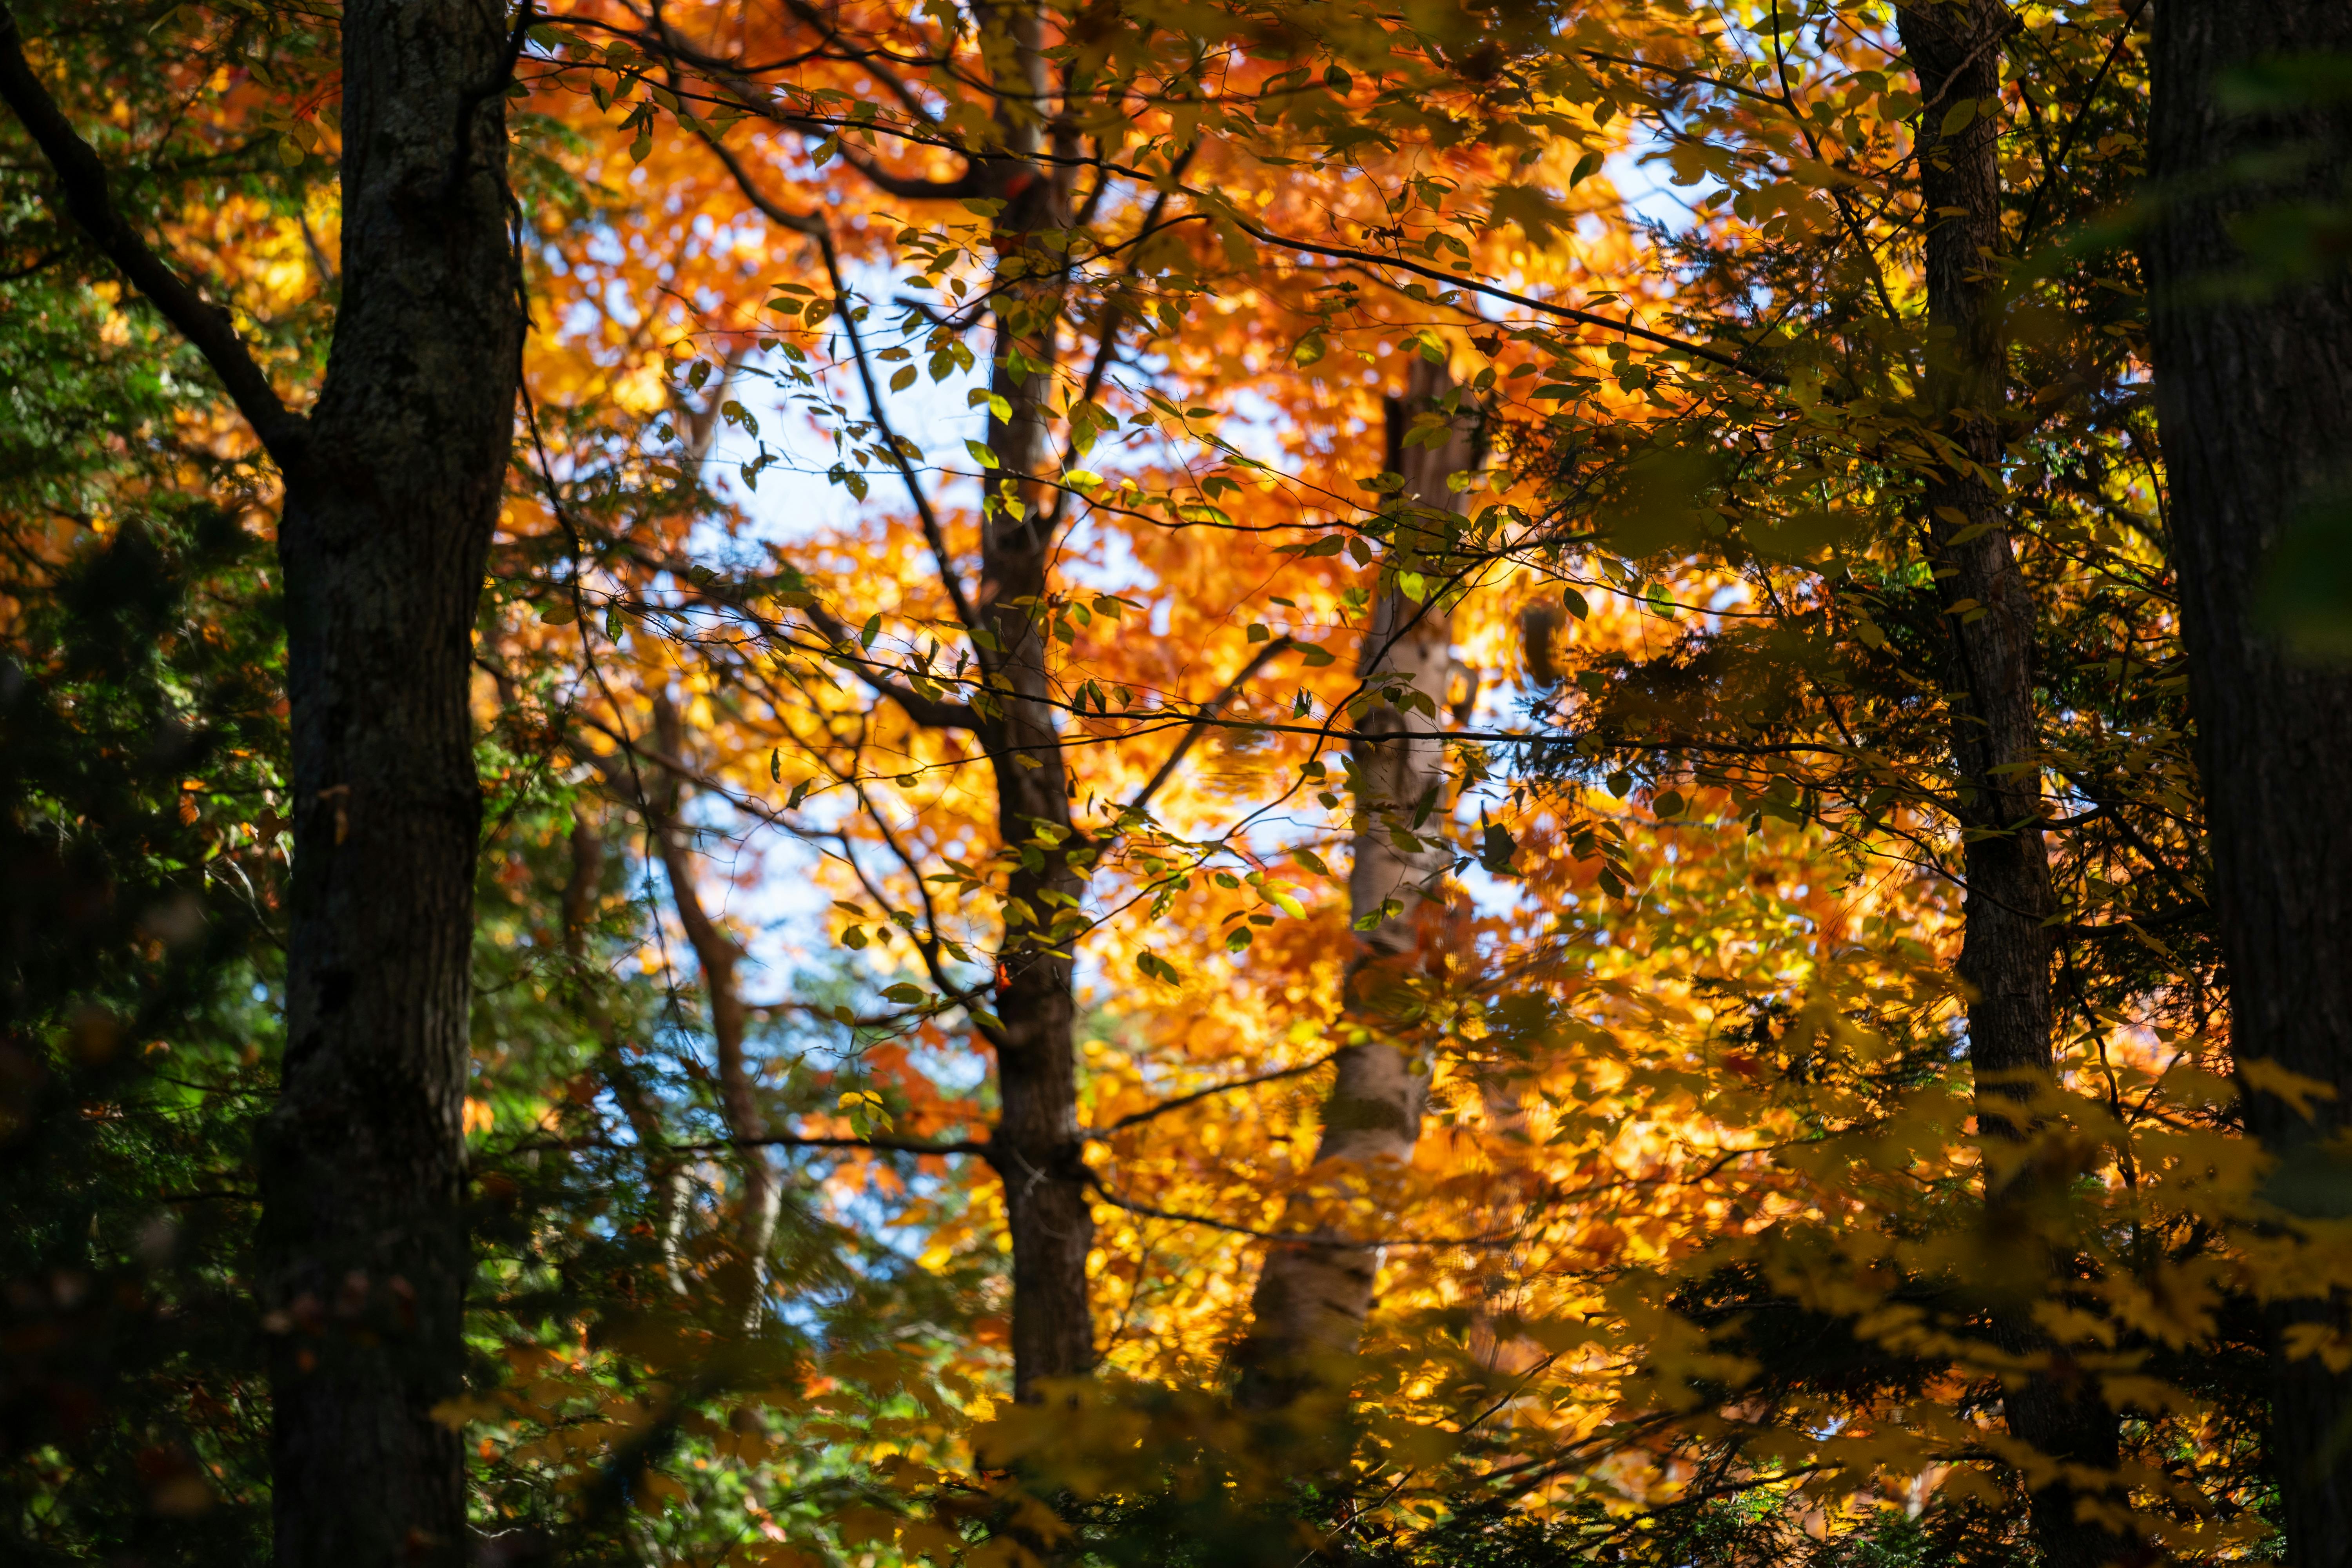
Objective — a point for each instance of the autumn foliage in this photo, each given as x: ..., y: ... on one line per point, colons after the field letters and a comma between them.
x: 1148, y: 663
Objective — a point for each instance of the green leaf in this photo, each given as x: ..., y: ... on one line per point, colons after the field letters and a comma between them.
x: 1495, y: 848
x: 903, y: 379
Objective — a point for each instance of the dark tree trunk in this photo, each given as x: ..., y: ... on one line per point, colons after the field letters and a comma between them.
x: 1037, y: 1149
x: 386, y: 531
x: 392, y: 489
x: 2006, y: 948
x: 2254, y: 400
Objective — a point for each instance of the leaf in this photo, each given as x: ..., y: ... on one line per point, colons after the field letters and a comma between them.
x: 902, y: 378
x: 1532, y: 210
x: 1496, y: 849
x: 2300, y: 1093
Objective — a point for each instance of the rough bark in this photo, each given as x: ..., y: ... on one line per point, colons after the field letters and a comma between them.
x: 1036, y: 1148
x: 385, y: 535
x: 2006, y: 948
x: 2254, y: 404
x: 1312, y: 1296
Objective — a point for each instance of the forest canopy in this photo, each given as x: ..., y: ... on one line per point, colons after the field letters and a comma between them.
x: 1167, y: 782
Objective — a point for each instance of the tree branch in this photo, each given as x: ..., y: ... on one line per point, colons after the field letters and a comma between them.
x: 816, y: 229
x: 1304, y: 1237
x: 81, y: 178
x: 1494, y: 292
x: 1198, y: 1095
x: 1206, y: 716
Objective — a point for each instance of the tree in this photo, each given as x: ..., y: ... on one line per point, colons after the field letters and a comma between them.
x: 1958, y: 51
x: 392, y: 482
x: 1312, y: 1294
x: 2251, y: 327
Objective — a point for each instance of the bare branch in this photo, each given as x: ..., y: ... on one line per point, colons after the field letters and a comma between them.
x: 1206, y: 716
x: 1304, y: 1237
x: 1198, y: 1095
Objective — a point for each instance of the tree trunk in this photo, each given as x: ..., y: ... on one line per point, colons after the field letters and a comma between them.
x: 1312, y: 1296
x: 2006, y: 948
x: 386, y: 532
x: 1037, y: 1149
x: 392, y: 487
x: 2254, y: 404
x: 717, y: 955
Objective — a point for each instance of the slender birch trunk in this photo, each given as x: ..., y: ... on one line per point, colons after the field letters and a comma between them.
x: 1313, y: 1295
